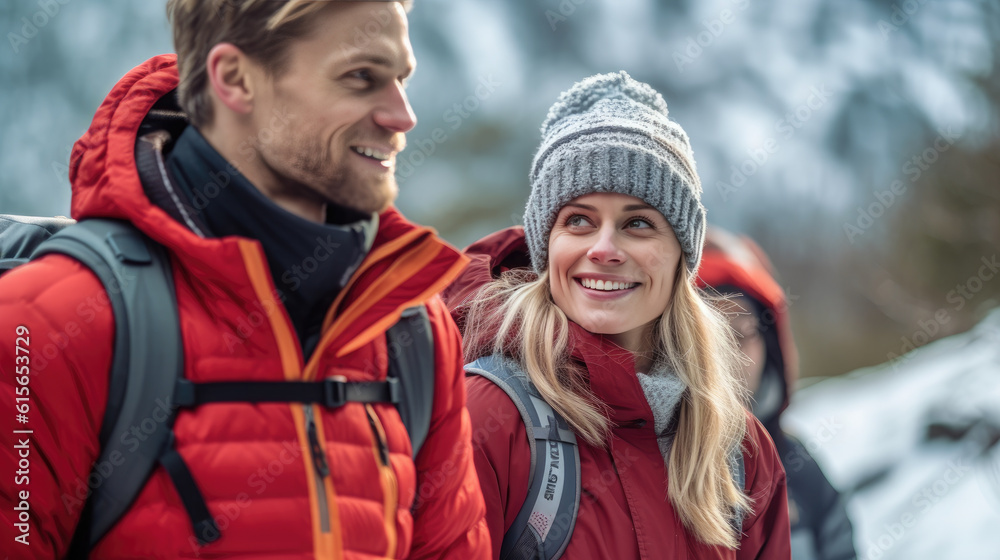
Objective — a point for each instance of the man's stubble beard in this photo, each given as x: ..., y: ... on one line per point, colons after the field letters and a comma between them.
x: 309, y: 171
x: 344, y: 188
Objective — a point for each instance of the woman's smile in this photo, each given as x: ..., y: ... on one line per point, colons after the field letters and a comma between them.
x: 605, y: 290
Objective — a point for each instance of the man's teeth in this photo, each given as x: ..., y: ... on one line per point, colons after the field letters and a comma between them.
x: 607, y: 286
x: 375, y: 154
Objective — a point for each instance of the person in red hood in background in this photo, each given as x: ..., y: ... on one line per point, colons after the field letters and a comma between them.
x: 261, y: 157
x: 758, y: 310
x: 594, y: 302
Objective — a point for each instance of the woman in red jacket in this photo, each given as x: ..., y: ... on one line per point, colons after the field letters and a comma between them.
x: 614, y: 336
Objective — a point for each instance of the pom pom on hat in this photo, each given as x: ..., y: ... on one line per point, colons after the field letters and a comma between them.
x: 585, y: 93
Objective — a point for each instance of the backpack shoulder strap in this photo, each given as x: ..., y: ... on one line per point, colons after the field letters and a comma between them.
x: 410, y: 343
x: 545, y: 522
x: 136, y: 275
x: 21, y: 235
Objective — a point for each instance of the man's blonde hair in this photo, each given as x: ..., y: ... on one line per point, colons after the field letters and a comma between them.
x: 262, y: 29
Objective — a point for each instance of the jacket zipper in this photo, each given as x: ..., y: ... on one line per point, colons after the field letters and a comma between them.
x: 328, y: 539
x: 387, y: 476
x: 321, y: 469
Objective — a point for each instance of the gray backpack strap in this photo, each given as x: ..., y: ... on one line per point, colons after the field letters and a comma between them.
x: 410, y: 344
x: 148, y: 359
x: 21, y: 235
x: 545, y: 522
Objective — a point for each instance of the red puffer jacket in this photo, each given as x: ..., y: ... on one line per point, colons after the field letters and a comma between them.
x: 624, y: 508
x: 252, y: 462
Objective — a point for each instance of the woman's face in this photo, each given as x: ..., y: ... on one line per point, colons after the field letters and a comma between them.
x: 612, y: 263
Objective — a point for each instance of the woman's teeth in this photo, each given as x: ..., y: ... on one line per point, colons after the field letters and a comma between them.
x: 607, y: 286
x: 374, y: 154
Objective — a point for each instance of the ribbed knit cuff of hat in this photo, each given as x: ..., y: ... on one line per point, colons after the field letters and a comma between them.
x: 610, y: 133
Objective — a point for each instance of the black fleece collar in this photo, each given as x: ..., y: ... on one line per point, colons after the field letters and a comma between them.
x: 309, y: 262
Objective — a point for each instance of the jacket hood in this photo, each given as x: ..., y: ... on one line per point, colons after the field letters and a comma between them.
x: 489, y: 258
x: 735, y: 263
x: 103, y: 173
x: 106, y: 183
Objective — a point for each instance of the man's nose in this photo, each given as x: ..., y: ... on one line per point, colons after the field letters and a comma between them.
x: 395, y: 113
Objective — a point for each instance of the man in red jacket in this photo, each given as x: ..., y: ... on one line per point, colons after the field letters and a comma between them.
x: 261, y: 157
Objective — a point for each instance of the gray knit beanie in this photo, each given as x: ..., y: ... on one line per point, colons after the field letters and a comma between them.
x: 610, y: 133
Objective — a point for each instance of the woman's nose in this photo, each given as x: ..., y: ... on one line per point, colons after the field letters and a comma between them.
x: 605, y: 249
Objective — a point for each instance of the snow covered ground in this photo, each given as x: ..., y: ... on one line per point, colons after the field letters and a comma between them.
x: 913, y: 444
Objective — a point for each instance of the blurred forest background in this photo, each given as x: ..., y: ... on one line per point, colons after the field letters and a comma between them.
x: 858, y: 141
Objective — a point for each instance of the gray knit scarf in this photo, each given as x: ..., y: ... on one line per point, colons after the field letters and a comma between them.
x: 664, y: 391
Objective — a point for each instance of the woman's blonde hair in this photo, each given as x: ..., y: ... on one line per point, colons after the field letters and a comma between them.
x: 516, y: 316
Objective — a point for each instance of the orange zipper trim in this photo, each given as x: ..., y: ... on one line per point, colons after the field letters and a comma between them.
x: 333, y: 542
x: 300, y: 429
x: 335, y: 326
x: 387, y: 476
x: 401, y: 270
x: 383, y: 324
x: 288, y: 346
x: 329, y: 323
x: 373, y: 257
x: 326, y: 546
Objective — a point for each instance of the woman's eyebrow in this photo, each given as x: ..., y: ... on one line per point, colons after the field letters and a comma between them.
x: 584, y: 206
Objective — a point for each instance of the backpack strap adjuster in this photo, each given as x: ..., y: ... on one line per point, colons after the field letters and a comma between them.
x: 335, y: 391
x: 338, y: 392
x: 129, y: 249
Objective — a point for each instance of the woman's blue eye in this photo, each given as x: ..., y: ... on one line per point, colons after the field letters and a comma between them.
x: 639, y: 223
x: 575, y: 220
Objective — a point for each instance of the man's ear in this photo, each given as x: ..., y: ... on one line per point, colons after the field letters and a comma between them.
x: 230, y: 77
